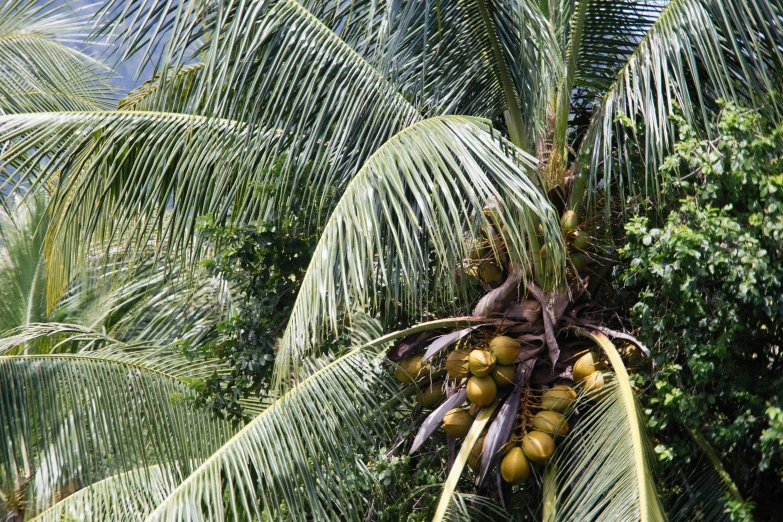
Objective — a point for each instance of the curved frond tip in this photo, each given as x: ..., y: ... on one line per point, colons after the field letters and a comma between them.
x: 604, y: 470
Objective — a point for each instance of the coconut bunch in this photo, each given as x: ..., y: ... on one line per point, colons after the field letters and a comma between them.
x: 479, y: 373
x: 518, y: 361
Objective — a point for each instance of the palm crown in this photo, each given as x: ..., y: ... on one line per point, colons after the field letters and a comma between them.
x: 393, y: 124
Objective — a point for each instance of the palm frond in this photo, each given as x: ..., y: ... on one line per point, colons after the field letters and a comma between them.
x: 603, y: 470
x: 447, y: 499
x: 72, y: 421
x: 532, y: 51
x: 181, y: 84
x: 464, y: 508
x: 700, y: 496
x: 397, y: 235
x: 700, y: 491
x: 610, y: 33
x: 298, y: 455
x: 426, y: 50
x: 696, y: 52
x: 129, y: 496
x: 38, y: 71
x: 23, y: 226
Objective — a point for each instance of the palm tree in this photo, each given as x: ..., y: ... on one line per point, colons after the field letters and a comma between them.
x: 424, y: 128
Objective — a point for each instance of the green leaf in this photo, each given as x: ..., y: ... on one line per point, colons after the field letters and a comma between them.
x: 604, y: 469
x: 76, y: 420
x: 39, y: 71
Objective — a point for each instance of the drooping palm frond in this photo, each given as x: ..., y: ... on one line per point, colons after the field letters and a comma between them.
x: 23, y: 228
x: 696, y: 52
x: 151, y: 303
x: 700, y: 490
x: 603, y: 470
x: 129, y: 496
x: 297, y: 458
x: 38, y: 71
x: 332, y: 110
x: 68, y: 421
x: 609, y: 33
x: 700, y: 495
x: 448, y: 499
x: 157, y: 302
x: 395, y: 239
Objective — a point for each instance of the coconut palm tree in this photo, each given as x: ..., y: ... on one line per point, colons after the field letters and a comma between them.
x: 411, y: 132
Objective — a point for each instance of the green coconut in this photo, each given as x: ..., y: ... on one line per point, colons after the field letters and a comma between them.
x: 558, y: 398
x: 569, y: 220
x: 457, y: 364
x: 550, y: 422
x: 490, y: 272
x: 584, y: 366
x: 538, y: 446
x: 457, y: 423
x: 504, y: 375
x: 505, y: 349
x: 411, y: 368
x: 431, y: 395
x: 515, y: 468
x: 481, y: 390
x: 579, y: 260
x: 593, y: 382
x: 481, y: 362
x: 581, y: 240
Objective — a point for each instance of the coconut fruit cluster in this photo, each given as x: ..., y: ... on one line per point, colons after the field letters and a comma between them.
x: 533, y: 442
x: 501, y: 367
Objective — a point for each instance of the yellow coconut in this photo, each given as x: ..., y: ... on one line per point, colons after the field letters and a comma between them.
x: 579, y: 261
x: 505, y: 349
x: 558, y: 398
x: 538, y: 446
x: 411, y: 368
x: 515, y: 469
x: 503, y: 375
x: 594, y: 382
x: 431, y: 395
x: 550, y: 422
x: 457, y: 422
x: 474, y: 459
x: 481, y: 390
x: 457, y: 364
x: 584, y: 366
x: 481, y: 362
x: 569, y: 220
x: 490, y: 272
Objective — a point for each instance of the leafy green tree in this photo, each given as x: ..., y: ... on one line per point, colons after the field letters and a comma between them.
x: 709, y: 281
x: 409, y: 131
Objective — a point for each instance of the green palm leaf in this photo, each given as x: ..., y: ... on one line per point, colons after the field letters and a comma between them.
x: 603, y: 470
x: 39, y: 71
x: 76, y: 420
x: 128, y: 497
x: 23, y: 228
x: 696, y: 52
x: 610, y: 32
x: 399, y: 230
